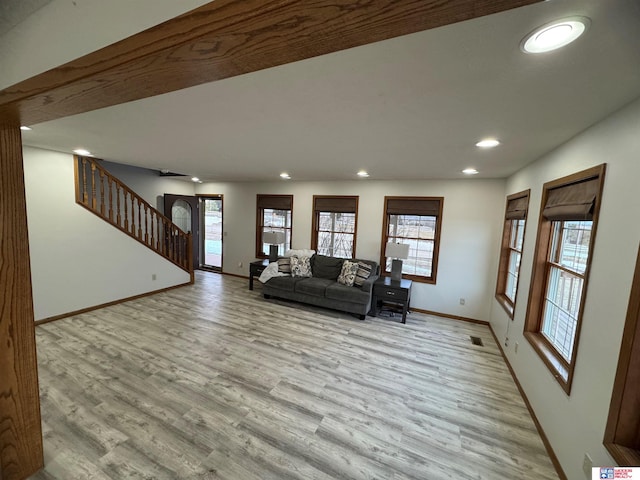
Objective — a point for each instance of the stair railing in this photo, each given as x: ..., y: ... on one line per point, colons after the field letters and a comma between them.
x: 110, y: 199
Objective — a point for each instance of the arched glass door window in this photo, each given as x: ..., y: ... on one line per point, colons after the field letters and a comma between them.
x: 181, y: 215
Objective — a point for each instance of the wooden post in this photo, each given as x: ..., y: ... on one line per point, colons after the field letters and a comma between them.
x: 139, y: 208
x: 126, y: 211
x: 146, y: 224
x: 189, y: 263
x: 150, y: 229
x: 85, y: 195
x: 118, y: 218
x: 102, y: 193
x: 94, y: 200
x: 21, y: 452
x: 110, y: 185
x: 76, y: 175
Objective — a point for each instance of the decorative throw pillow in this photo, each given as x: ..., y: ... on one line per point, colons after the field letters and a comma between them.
x: 348, y: 274
x: 364, y: 271
x: 300, y: 266
x: 284, y: 265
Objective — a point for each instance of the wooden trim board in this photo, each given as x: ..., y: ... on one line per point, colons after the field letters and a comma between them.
x: 446, y: 315
x: 108, y: 304
x: 21, y: 452
x: 543, y: 436
x: 223, y: 39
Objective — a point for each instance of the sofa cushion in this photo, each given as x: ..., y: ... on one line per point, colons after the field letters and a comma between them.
x: 284, y: 283
x: 335, y: 291
x: 300, y: 266
x: 348, y: 273
x: 313, y: 286
x: 327, y: 267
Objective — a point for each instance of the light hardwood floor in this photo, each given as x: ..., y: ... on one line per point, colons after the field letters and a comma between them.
x: 212, y: 381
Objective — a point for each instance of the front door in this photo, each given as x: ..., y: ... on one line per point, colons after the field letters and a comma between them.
x: 183, y: 210
x: 211, y: 225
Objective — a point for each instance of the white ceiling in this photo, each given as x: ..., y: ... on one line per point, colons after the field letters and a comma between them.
x: 12, y: 12
x: 407, y: 108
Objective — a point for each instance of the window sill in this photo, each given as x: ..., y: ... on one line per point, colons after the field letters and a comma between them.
x: 415, y: 278
x: 506, y: 304
x: 551, y: 359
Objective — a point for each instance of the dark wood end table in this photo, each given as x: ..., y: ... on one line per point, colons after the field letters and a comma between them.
x: 396, y: 292
x: 255, y: 270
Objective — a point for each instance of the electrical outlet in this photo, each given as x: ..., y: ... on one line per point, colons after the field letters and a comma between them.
x: 506, y: 341
x: 153, y: 276
x: 516, y: 347
x: 239, y: 264
x: 462, y: 301
x: 587, y: 464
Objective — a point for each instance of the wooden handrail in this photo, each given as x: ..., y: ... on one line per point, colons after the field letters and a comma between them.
x: 101, y: 193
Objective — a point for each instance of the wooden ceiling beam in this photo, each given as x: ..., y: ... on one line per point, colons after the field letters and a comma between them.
x: 222, y: 39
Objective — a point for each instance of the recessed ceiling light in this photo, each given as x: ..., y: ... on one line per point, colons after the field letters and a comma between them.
x: 195, y: 179
x: 554, y: 35
x: 25, y: 128
x: 285, y: 175
x: 470, y: 171
x: 363, y: 173
x: 488, y: 143
x: 82, y: 151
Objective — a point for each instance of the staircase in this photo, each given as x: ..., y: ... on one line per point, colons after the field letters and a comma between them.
x: 107, y: 197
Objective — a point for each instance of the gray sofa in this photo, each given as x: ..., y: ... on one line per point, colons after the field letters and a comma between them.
x: 323, y: 289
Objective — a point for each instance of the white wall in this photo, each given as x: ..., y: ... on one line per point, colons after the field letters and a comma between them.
x: 472, y: 216
x: 77, y: 259
x: 148, y: 184
x: 64, y: 30
x: 575, y: 424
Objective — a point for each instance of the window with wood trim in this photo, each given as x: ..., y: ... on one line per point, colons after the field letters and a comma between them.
x: 335, y: 224
x: 511, y: 251
x: 564, y: 247
x: 622, y: 435
x: 274, y: 214
x: 415, y: 221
